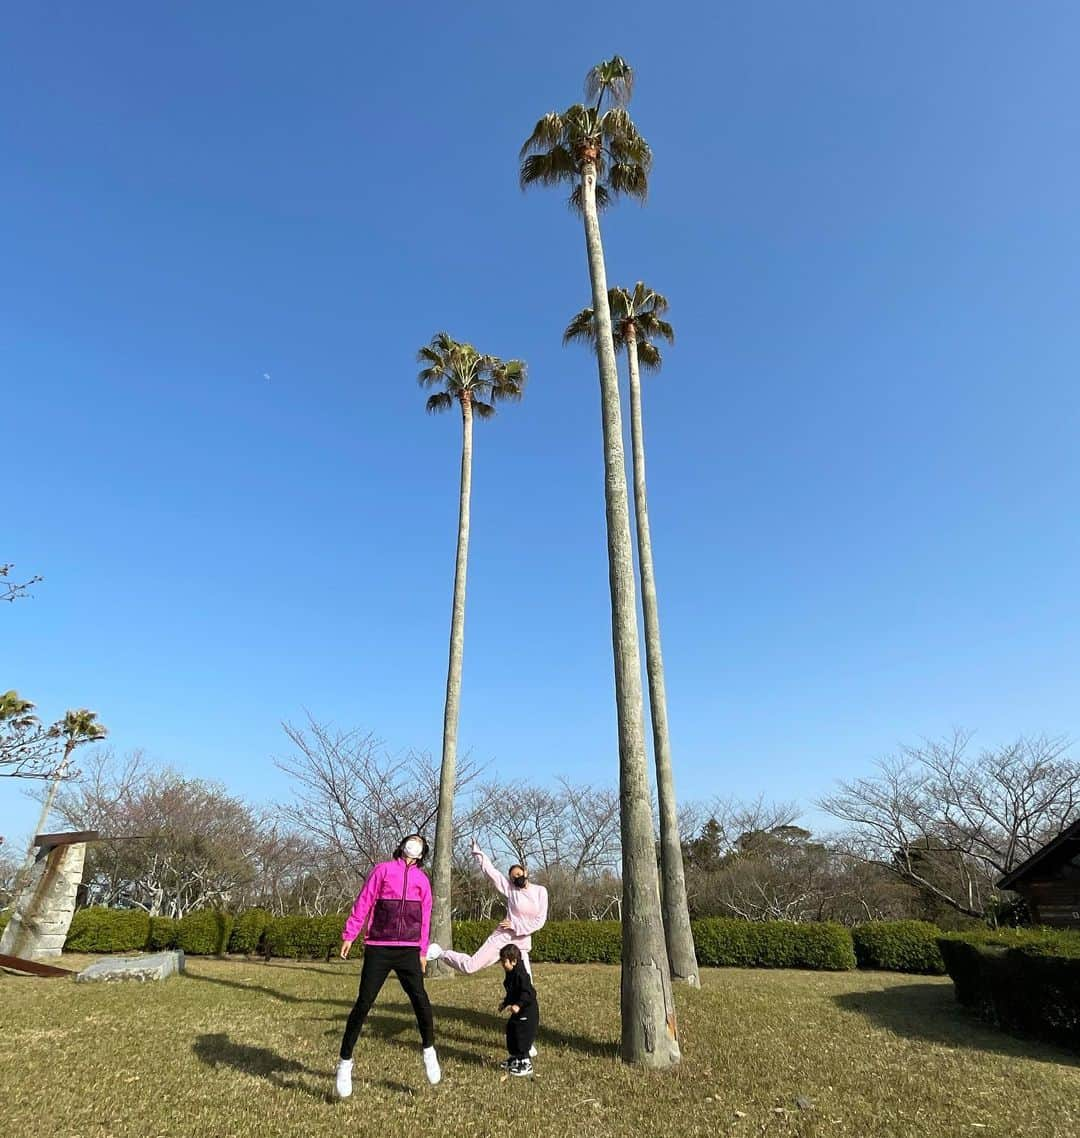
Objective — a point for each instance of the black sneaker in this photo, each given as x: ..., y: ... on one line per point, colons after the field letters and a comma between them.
x: 521, y: 1067
x: 506, y: 1064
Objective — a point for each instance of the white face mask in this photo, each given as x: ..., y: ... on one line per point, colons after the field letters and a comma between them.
x: 413, y: 848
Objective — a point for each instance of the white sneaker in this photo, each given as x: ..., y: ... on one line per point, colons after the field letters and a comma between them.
x: 343, y: 1083
x: 532, y: 1051
x: 434, y: 951
x: 431, y: 1066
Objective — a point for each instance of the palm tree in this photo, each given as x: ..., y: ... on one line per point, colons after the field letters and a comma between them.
x: 76, y: 728
x: 476, y: 383
x: 637, y: 322
x: 597, y: 149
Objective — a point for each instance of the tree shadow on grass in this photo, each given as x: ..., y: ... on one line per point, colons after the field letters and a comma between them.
x: 218, y: 1050
x: 929, y: 1012
x: 273, y: 993
x: 486, y: 1021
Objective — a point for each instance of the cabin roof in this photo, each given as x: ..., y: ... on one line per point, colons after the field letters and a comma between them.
x: 1056, y: 852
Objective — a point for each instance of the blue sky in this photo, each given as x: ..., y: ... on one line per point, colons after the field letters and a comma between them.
x: 863, y: 468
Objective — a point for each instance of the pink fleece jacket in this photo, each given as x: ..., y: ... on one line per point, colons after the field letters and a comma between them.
x: 394, y: 907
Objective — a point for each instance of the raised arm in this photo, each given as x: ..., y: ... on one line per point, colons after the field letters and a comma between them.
x: 490, y: 871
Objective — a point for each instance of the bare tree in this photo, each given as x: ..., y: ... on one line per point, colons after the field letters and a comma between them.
x: 355, y: 799
x: 11, y: 590
x: 950, y: 822
x: 174, y: 844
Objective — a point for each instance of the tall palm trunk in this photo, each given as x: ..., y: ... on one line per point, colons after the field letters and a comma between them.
x: 649, y: 1034
x: 444, y: 821
x: 677, y: 931
x: 23, y: 874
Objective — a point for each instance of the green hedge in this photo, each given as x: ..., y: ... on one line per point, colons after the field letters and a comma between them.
x: 204, y: 932
x: 248, y: 930
x: 1025, y: 981
x: 308, y: 937
x: 578, y: 942
x: 99, y: 929
x: 732, y: 943
x: 164, y: 932
x: 899, y: 946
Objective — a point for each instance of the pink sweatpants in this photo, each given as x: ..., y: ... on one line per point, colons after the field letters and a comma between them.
x: 488, y: 953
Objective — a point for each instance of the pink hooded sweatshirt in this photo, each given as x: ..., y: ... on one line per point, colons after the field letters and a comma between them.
x: 394, y: 907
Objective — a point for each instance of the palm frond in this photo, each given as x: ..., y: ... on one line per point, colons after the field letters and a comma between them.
x: 620, y: 302
x: 648, y: 299
x: 508, y: 379
x: 654, y: 326
x: 613, y: 77
x: 649, y: 357
x: 581, y: 328
x: 547, y: 133
x: 624, y: 141
x: 440, y: 401
x: 482, y: 410
x: 548, y: 168
x: 629, y: 179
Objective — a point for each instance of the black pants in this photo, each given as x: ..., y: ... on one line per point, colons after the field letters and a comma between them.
x: 521, y: 1032
x: 379, y: 962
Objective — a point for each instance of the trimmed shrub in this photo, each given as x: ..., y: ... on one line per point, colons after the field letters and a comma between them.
x: 204, y: 932
x: 558, y: 942
x: 98, y: 929
x: 732, y: 943
x: 163, y: 933
x: 578, y: 942
x: 1024, y: 981
x: 468, y: 936
x: 305, y: 937
x: 248, y: 930
x: 899, y: 946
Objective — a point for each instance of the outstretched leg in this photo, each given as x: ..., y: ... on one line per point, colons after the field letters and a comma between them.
x: 483, y: 957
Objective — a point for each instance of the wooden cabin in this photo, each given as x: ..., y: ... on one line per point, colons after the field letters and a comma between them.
x: 1049, y: 881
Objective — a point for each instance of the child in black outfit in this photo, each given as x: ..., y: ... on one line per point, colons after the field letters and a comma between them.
x: 524, y: 1010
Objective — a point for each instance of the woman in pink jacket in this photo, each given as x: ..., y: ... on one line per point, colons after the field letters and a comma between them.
x: 526, y: 913
x: 394, y: 913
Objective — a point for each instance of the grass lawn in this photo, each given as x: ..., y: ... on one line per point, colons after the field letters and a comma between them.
x: 240, y: 1048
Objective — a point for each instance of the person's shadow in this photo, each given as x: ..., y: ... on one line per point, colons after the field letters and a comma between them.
x: 218, y: 1050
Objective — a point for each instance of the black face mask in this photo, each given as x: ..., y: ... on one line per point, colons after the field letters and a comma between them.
x: 519, y: 881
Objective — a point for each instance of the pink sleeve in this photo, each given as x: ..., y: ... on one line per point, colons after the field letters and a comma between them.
x: 362, y: 909
x: 492, y: 874
x: 425, y: 916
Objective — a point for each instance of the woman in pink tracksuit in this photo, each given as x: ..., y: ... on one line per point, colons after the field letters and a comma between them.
x: 394, y: 913
x: 526, y: 913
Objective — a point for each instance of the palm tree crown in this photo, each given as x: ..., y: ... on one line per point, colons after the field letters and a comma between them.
x: 639, y: 312
x: 467, y: 376
x: 563, y: 144
x: 81, y: 727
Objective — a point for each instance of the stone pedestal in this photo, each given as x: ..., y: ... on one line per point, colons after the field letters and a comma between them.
x: 43, y: 910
